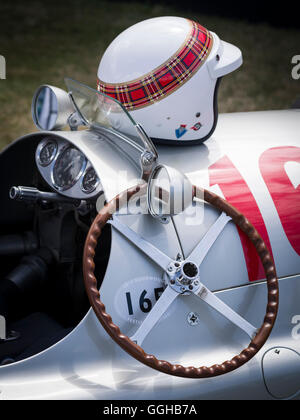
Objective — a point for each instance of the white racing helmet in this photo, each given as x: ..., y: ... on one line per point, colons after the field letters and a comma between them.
x: 165, y: 71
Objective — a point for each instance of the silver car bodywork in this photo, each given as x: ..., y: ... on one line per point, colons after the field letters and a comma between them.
x: 87, y: 364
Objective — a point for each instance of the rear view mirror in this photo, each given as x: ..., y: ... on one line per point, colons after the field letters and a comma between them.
x: 169, y: 192
x: 51, y: 108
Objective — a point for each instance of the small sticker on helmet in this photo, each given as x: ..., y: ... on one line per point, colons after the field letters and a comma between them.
x: 197, y: 126
x: 180, y: 131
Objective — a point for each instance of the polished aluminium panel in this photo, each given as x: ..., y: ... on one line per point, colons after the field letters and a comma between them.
x: 243, y: 139
x: 88, y: 364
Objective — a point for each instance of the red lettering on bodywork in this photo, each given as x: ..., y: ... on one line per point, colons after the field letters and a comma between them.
x: 285, y: 195
x: 237, y: 192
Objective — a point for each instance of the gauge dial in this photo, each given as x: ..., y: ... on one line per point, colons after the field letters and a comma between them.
x: 90, y: 181
x: 47, y: 153
x: 68, y: 168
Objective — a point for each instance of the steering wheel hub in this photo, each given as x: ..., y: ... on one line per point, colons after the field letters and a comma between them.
x: 182, y: 276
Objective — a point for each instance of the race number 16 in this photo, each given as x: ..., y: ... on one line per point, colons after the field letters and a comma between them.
x: 145, y: 303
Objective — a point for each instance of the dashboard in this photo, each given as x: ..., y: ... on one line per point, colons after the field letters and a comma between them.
x: 66, y: 169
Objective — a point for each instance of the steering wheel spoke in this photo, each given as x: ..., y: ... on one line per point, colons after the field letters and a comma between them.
x: 216, y: 303
x: 157, y: 256
x: 161, y: 306
x: 201, y: 250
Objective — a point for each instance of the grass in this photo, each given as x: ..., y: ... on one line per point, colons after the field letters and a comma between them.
x: 43, y: 42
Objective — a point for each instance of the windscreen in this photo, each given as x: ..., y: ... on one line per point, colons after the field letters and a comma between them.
x: 100, y: 110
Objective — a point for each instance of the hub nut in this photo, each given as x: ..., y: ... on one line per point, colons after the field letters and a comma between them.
x: 190, y: 270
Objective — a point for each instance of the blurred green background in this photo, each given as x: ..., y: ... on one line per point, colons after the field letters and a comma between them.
x: 43, y: 42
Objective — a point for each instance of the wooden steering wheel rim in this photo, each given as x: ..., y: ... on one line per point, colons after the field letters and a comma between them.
x: 136, y: 351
